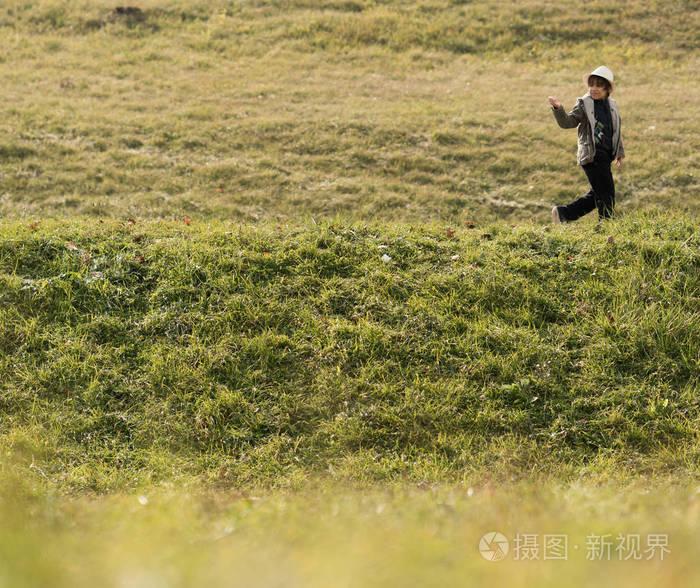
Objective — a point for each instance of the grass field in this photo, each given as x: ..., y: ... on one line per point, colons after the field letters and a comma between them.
x: 280, y: 304
x: 254, y: 111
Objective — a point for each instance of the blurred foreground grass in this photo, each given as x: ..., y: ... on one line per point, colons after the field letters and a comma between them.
x: 331, y: 535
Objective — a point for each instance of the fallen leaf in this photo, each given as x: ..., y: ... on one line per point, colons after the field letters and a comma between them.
x: 34, y: 225
x: 71, y: 246
x: 187, y: 220
x: 486, y: 236
x: 450, y: 233
x: 611, y: 240
x: 469, y: 224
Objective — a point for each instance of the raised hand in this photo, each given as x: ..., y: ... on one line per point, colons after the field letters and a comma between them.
x: 554, y: 102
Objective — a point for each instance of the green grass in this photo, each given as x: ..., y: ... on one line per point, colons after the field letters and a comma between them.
x: 271, y: 111
x: 141, y: 351
x: 280, y: 305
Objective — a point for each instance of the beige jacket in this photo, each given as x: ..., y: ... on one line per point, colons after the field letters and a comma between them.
x: 582, y: 116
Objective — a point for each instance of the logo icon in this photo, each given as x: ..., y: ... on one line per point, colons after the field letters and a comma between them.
x: 493, y: 546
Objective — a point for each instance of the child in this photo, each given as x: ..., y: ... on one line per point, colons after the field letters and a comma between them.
x: 599, y: 143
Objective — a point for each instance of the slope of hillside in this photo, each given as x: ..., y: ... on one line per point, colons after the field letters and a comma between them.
x: 270, y: 353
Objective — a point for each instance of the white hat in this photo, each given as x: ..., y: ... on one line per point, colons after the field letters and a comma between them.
x: 602, y: 72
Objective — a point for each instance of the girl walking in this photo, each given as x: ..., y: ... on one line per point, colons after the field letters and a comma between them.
x: 599, y: 144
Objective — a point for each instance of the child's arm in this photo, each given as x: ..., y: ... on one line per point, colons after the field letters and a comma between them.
x: 567, y: 121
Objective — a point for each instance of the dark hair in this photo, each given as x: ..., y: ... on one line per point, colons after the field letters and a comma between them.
x: 606, y: 83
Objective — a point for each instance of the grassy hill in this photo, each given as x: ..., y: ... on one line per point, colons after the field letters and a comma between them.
x: 187, y: 403
x: 280, y: 304
x: 267, y: 354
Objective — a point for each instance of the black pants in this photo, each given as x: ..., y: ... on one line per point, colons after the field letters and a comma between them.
x: 601, y: 194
